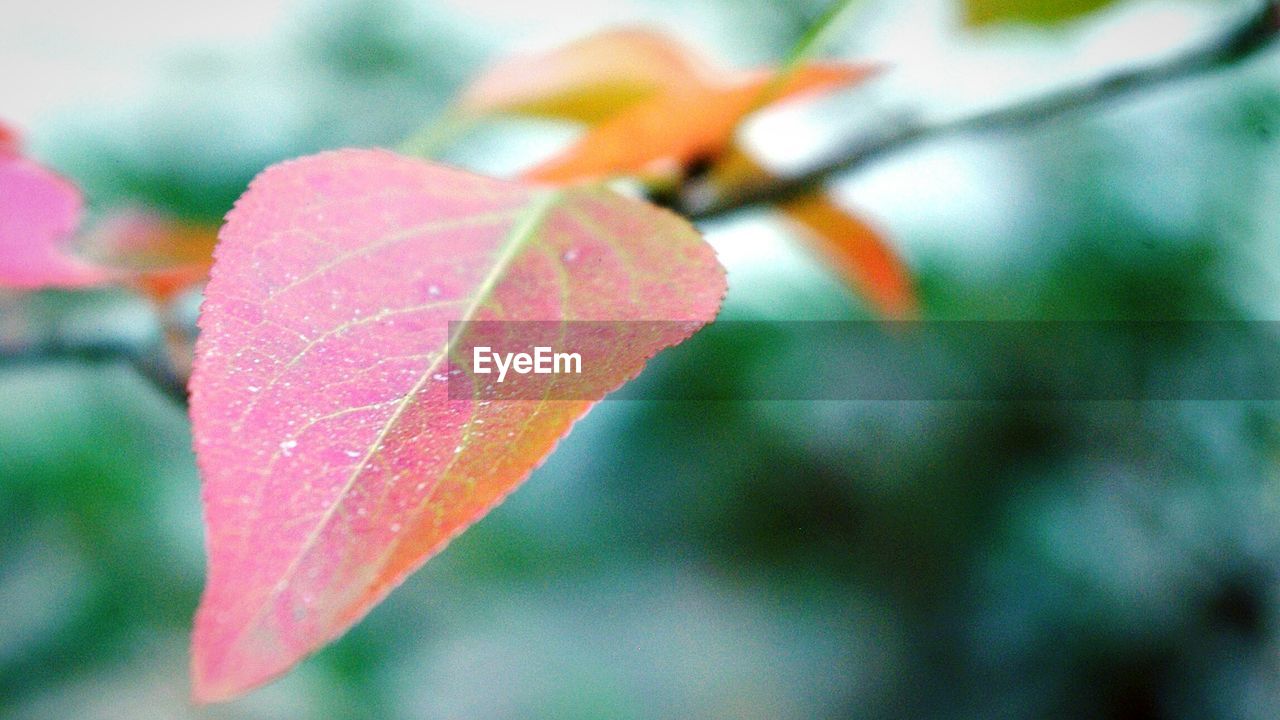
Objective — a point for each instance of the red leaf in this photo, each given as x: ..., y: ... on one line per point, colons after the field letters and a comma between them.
x: 334, y: 462
x: 39, y: 213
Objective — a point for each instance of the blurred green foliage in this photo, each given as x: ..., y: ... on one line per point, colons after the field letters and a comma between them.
x: 728, y: 559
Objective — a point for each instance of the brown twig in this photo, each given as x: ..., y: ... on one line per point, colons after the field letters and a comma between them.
x: 150, y: 361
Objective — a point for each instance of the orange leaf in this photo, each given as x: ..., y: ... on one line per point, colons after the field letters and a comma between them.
x: 858, y: 251
x: 588, y: 80
x: 160, y: 256
x: 679, y: 126
x: 654, y: 105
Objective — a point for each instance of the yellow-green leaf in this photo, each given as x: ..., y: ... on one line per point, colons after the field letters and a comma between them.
x: 1041, y: 12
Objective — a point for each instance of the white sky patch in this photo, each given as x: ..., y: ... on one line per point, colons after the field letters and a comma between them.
x: 61, y: 53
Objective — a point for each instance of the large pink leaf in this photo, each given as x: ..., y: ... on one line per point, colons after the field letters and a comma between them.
x: 334, y: 461
x: 39, y: 213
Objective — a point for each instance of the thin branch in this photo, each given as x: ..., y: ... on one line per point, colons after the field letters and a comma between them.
x: 148, y: 360
x: 1254, y: 33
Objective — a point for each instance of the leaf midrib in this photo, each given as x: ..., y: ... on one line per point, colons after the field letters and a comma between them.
x: 526, y: 228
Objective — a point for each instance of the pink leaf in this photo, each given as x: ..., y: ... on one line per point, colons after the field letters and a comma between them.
x: 39, y: 212
x: 334, y: 461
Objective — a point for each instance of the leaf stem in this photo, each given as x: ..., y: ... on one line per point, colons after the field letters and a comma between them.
x: 814, y: 39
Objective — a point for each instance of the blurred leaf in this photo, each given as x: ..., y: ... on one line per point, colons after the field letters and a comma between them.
x: 655, y: 107
x: 650, y: 102
x: 39, y: 213
x: 323, y: 309
x: 159, y: 255
x: 857, y: 250
x: 811, y: 43
x: 588, y: 80
x: 683, y: 125
x: 1042, y: 12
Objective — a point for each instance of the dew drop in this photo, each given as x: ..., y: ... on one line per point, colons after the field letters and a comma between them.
x: 570, y: 255
x: 286, y: 447
x: 352, y: 453
x: 433, y: 291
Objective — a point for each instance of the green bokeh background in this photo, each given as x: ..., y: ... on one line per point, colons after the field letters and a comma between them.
x: 712, y: 560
